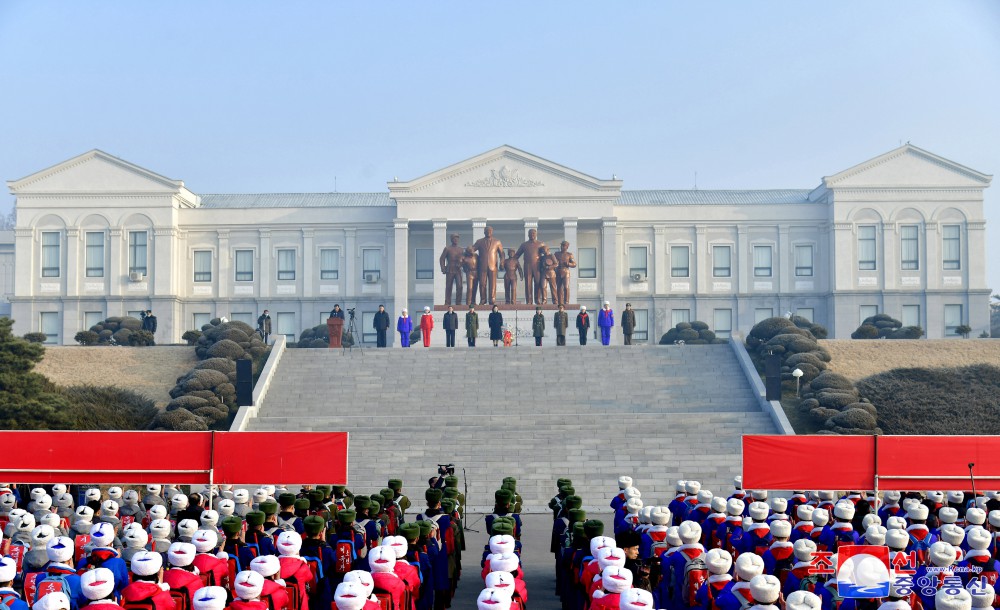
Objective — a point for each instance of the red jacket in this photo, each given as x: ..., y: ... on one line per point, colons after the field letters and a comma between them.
x: 393, y: 585
x: 142, y: 590
x: 295, y: 569
x: 427, y: 322
x: 219, y: 568
x: 239, y: 604
x: 410, y: 576
x: 276, y: 593
x: 178, y: 579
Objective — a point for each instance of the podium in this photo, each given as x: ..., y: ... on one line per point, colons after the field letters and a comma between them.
x: 335, y: 328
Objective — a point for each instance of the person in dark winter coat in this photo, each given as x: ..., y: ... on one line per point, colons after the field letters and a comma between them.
x: 337, y: 312
x: 471, y: 326
x: 264, y: 325
x: 381, y: 324
x: 538, y: 326
x: 149, y: 321
x: 583, y: 324
x: 628, y: 323
x: 560, y: 321
x: 450, y: 324
x: 496, y: 326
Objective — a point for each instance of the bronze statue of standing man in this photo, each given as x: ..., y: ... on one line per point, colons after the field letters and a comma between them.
x: 470, y: 266
x: 532, y: 273
x: 451, y: 267
x: 490, y: 253
x: 566, y: 262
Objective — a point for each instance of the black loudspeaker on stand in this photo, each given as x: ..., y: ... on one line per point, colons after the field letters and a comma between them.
x: 772, y: 377
x: 244, y: 382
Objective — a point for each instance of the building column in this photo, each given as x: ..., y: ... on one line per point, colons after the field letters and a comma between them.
x: 742, y: 255
x: 569, y: 234
x: 784, y: 256
x: 440, y: 240
x: 116, y: 262
x: 265, y: 257
x: 889, y: 264
x: 308, y: 263
x: 931, y: 263
x: 400, y: 269
x: 73, y: 262
x: 699, y: 259
x: 224, y: 256
x: 975, y: 274
x: 610, y: 257
x: 843, y: 276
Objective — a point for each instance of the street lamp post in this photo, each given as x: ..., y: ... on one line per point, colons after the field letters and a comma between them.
x: 797, y: 374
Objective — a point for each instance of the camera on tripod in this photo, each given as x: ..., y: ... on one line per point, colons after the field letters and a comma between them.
x: 446, y: 469
x: 351, y: 312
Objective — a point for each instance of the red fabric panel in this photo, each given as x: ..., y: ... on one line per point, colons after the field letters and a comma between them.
x: 244, y: 458
x: 934, y: 457
x: 53, y: 456
x: 808, y: 462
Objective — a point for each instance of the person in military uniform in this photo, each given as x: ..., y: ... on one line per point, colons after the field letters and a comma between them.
x: 396, y: 485
x: 314, y: 546
x: 416, y: 555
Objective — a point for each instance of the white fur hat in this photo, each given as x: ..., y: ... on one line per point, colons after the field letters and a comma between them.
x: 918, y: 512
x: 7, y: 500
x: 633, y: 506
x: 956, y: 497
x: 689, y: 531
x: 60, y: 549
x: 93, y: 494
x: 226, y: 507
x: 759, y: 511
x: 803, y: 600
x: 951, y: 599
x: 844, y: 511
x: 719, y: 561
x: 397, y: 544
x: 50, y: 519
x: 248, y: 585
x: 265, y: 565
x: 270, y: 489
x: 804, y: 548
x: 25, y: 523
x: 738, y: 482
x: 205, y: 540
x: 58, y: 489
x: 994, y: 518
x: 779, y: 505
x: 181, y: 554
x: 157, y: 511
x: 154, y: 489
x: 489, y: 599
x: 749, y: 565
x: 947, y: 514
x: 804, y: 512
x: 187, y: 527
x: 146, y: 563
x: 692, y: 488
x: 64, y: 500
x: 209, y: 518
x: 597, y: 543
x: 662, y: 517
x: 952, y: 534
x: 503, y: 581
x: 159, y: 529
x: 381, y: 559
x: 982, y: 593
x: 892, y: 497
x: 705, y: 496
x: 869, y: 520
x: 674, y: 536
x: 610, y: 557
x: 718, y: 504
x: 209, y: 598
x: 40, y: 536
x: 260, y: 495
x: 646, y: 514
x: 52, y: 601
x: 780, y: 528
x: 632, y: 492
x: 507, y: 562
x: 936, y: 496
x: 241, y: 496
x: 615, y: 579
x: 765, y: 588
x: 115, y: 493
x: 635, y: 599
x: 8, y: 569
x: 502, y: 543
x: 360, y: 577
x: 895, y: 523
x: 624, y: 482
x: 109, y: 508
x: 942, y: 554
x: 680, y: 486
x: 179, y: 502
x: 97, y: 583
x: 43, y: 503
x: 135, y: 537
x: 978, y: 538
x: 36, y: 493
x: 975, y: 516
x: 102, y: 534
x: 897, y: 539
x: 759, y: 495
x: 289, y: 543
x: 875, y: 535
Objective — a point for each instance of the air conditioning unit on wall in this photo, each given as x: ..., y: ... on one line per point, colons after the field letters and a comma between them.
x: 638, y: 277
x: 135, y: 276
x: 371, y: 278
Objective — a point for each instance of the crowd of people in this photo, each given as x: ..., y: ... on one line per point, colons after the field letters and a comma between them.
x: 159, y: 548
x: 746, y: 550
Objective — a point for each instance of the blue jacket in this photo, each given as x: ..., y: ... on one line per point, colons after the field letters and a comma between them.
x: 404, y: 325
x: 606, y: 317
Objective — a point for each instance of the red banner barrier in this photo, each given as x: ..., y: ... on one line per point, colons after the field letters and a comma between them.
x: 852, y: 462
x: 237, y: 458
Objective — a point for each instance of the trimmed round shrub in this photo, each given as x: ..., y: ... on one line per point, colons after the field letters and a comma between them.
x: 141, y: 338
x: 105, y: 335
x: 683, y: 325
x: 828, y: 380
x: 854, y: 418
x: 234, y: 334
x: 809, y: 358
x: 836, y: 400
x: 36, y: 337
x: 178, y: 419
x: 697, y: 342
x: 808, y: 405
x: 764, y: 330
x: 864, y: 406
x: 121, y: 336
x: 699, y: 325
x: 87, y: 337
x: 186, y: 402
x: 223, y: 365
x: 191, y: 336
x: 792, y: 343
x: 315, y: 343
x: 907, y: 332
x: 687, y: 335
x: 822, y: 414
x: 706, y: 335
x: 669, y: 337
x: 808, y: 371
x: 226, y: 349
x: 130, y: 323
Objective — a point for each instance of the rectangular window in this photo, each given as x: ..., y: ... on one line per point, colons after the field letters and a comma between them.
x: 679, y: 315
x: 952, y: 319
x: 909, y: 245
x: 680, y: 261
x: 723, y: 323
x: 286, y: 324
x: 135, y: 313
x: 866, y: 248
x: 368, y: 334
x: 637, y: 261
x: 762, y: 313
x: 50, y: 254
x: 951, y: 250
x: 587, y: 263
x: 722, y: 261
x: 424, y: 264
x: 137, y: 241
x: 762, y: 261
x: 200, y: 319
x: 48, y: 323
x: 244, y: 265
x: 286, y: 264
x: 641, y: 331
x: 805, y: 312
x: 803, y: 261
x: 371, y: 264
x: 91, y: 318
x: 95, y: 254
x: 911, y: 315
x: 867, y: 311
x: 244, y: 316
x: 203, y: 265
x: 329, y: 264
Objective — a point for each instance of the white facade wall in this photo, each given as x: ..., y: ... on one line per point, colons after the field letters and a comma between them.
x: 198, y: 248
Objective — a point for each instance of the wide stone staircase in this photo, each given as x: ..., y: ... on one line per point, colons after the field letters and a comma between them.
x: 657, y: 413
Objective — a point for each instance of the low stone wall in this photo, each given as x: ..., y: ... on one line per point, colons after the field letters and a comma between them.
x: 857, y: 359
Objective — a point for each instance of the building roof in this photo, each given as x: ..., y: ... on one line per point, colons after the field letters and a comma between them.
x: 741, y: 197
x: 297, y: 200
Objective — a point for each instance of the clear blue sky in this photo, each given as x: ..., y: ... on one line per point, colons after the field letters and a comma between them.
x: 283, y: 97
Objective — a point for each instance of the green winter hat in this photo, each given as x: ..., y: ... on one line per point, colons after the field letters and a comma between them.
x: 302, y: 504
x: 231, y: 525
x: 425, y: 526
x: 451, y: 492
x: 593, y: 528
x: 395, y: 484
x: 502, y: 527
x: 286, y: 499
x: 448, y: 505
x: 579, y: 537
x: 316, y: 496
x: 270, y: 507
x: 410, y: 531
x: 562, y: 482
x: 576, y: 515
x: 362, y: 502
x: 376, y: 506
x: 572, y: 502
x: 567, y: 490
x: 346, y: 517
x: 325, y: 490
x: 256, y: 518
x: 314, y: 524
x: 387, y: 495
x: 433, y: 496
x: 339, y: 489
x: 503, y: 496
x: 511, y: 480
x: 451, y: 481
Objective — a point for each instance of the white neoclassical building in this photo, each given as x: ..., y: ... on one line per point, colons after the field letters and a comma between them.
x: 901, y: 234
